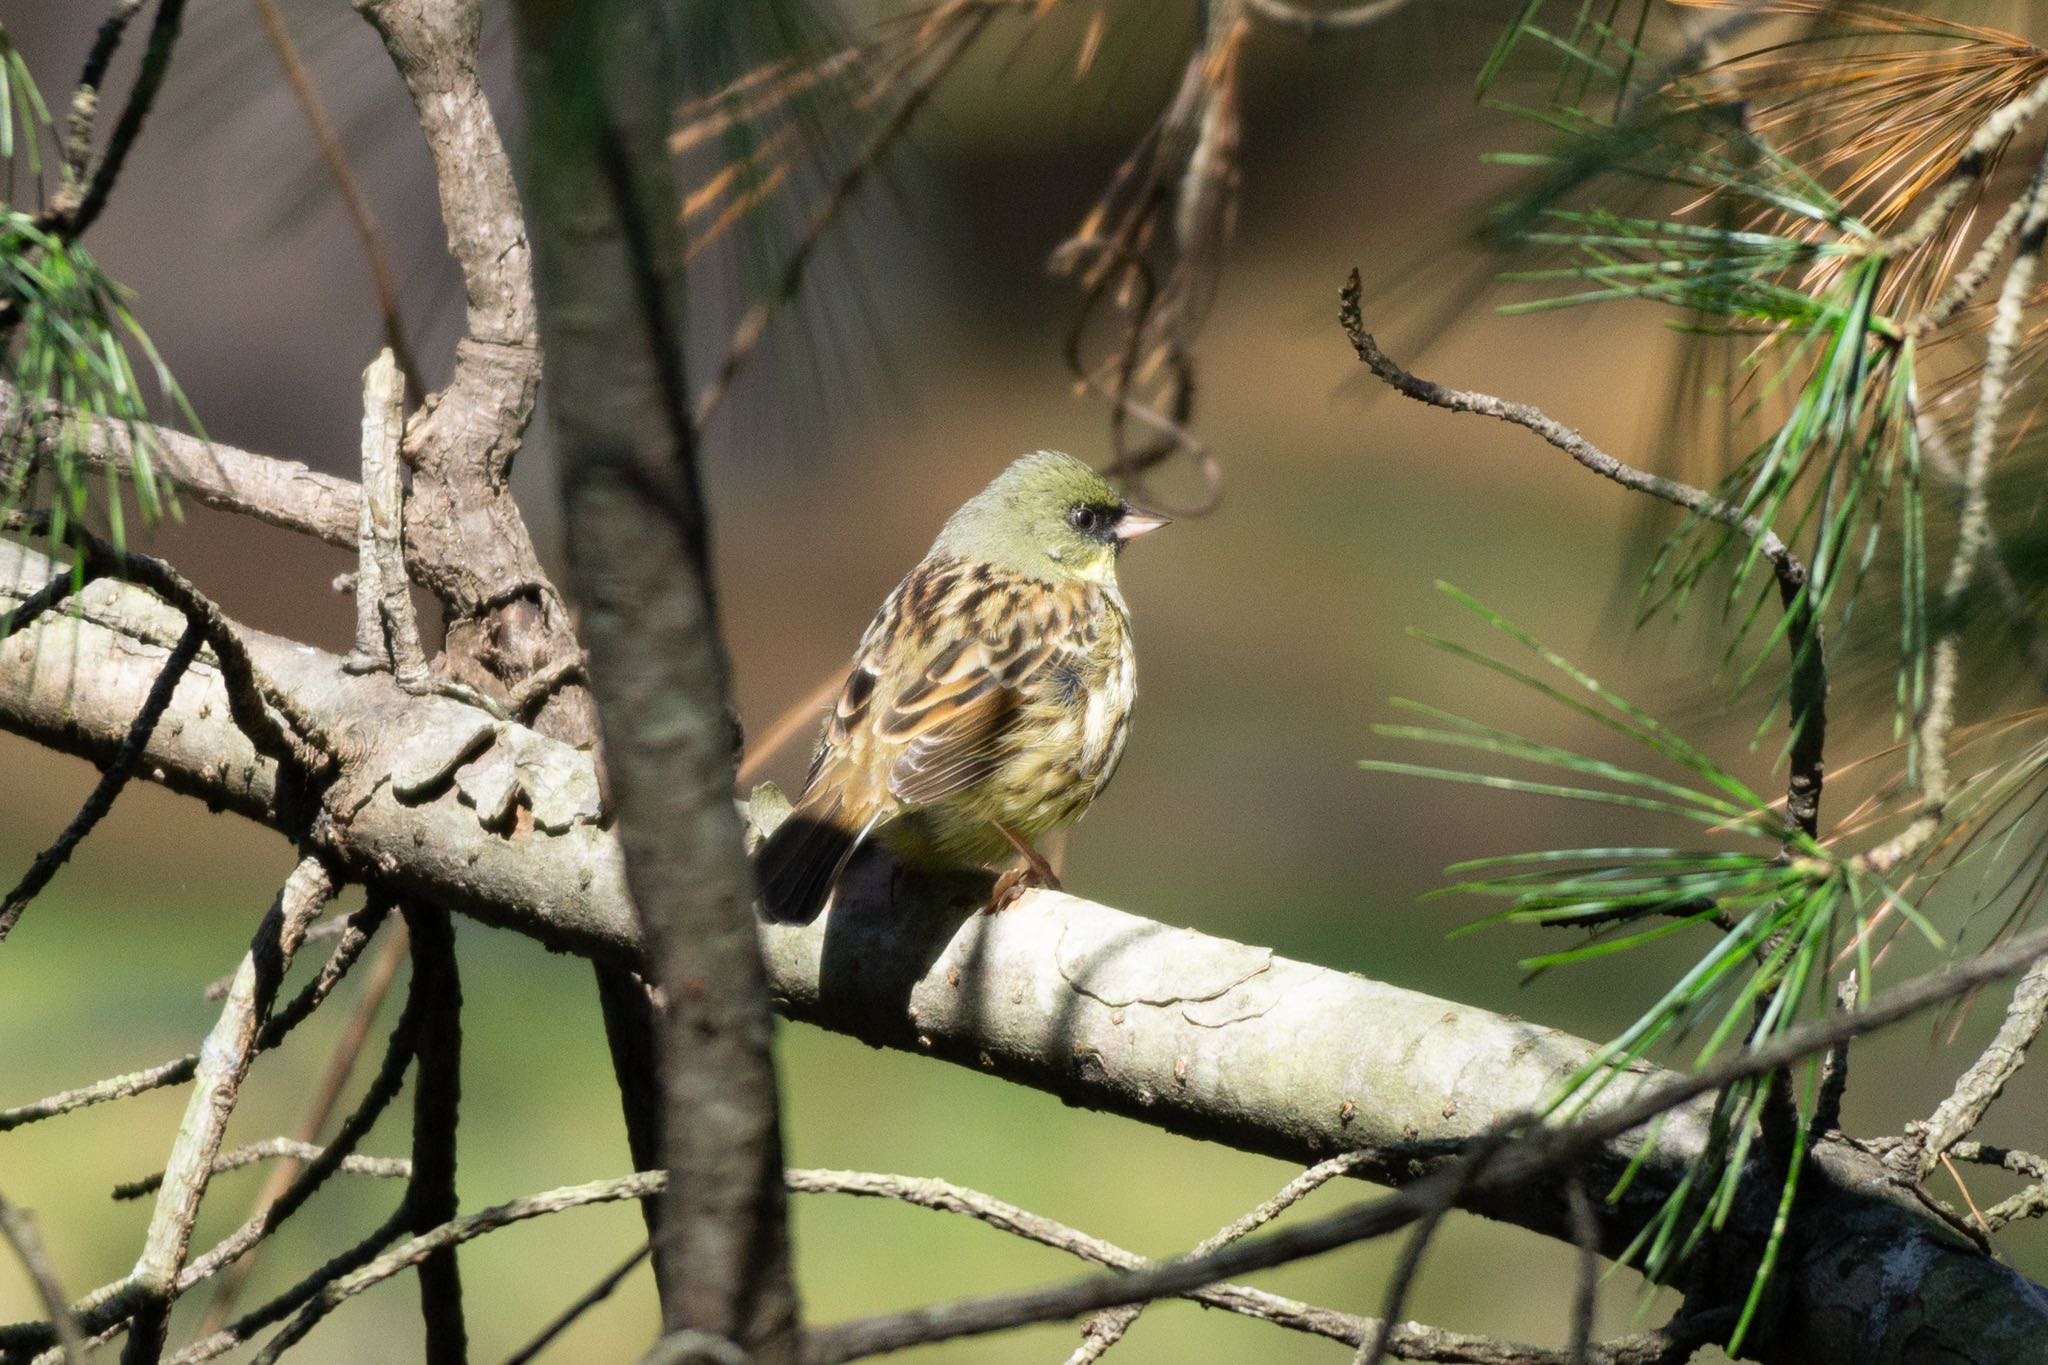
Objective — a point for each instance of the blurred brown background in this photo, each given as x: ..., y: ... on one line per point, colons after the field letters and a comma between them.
x: 925, y: 356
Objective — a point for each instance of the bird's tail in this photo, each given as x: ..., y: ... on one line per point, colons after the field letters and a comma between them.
x: 798, y: 865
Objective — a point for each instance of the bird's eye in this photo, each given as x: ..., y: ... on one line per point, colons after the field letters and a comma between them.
x: 1086, y: 520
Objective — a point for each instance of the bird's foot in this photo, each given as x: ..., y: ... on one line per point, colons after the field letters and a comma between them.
x: 1011, y: 886
x: 1036, y: 872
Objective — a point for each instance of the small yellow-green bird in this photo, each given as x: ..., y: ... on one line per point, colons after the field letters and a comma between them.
x: 990, y: 698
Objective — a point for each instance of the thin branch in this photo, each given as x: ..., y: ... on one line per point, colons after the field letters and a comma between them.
x: 70, y: 220
x: 586, y: 1301
x: 269, y: 1150
x: 249, y: 697
x: 1976, y: 1089
x: 1540, y: 1154
x: 2007, y: 1158
x: 1413, y: 1342
x: 1834, y: 1070
x: 60, y: 587
x: 112, y: 780
x: 1808, y: 697
x: 18, y: 1229
x: 85, y: 98
x: 1409, y: 1341
x: 1973, y: 522
x: 437, y: 1099
x: 1409, y: 1263
x: 239, y: 1333
x: 113, y: 1304
x: 418, y: 1248
x: 1105, y: 1330
x: 347, y: 1050
x: 2020, y: 615
x: 174, y: 1072
x: 179, y: 1069
x: 1585, y: 1298
x: 336, y: 157
x: 223, y: 1062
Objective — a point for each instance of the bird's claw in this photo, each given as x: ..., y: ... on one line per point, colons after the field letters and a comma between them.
x: 1011, y: 886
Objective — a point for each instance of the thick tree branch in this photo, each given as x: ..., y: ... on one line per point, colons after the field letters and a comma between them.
x: 1197, y: 1035
x: 605, y: 217
x: 1508, y: 1157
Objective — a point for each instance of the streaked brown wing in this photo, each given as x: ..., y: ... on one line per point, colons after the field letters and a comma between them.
x: 954, y: 721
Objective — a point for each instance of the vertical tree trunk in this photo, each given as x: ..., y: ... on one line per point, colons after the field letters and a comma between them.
x: 604, y: 216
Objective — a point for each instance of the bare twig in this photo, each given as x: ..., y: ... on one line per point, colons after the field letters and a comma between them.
x: 1106, y: 1329
x: 354, y: 1034
x: 112, y: 1305
x: 223, y: 1062
x: 418, y: 1248
x: 1808, y: 693
x: 70, y: 215
x: 437, y: 1099
x: 1413, y: 1342
x: 270, y: 1150
x: 588, y: 1300
x: 1586, y: 1233
x: 1834, y: 1072
x: 174, y: 1072
x: 35, y: 604
x: 358, y: 208
x: 2019, y: 612
x: 179, y: 1069
x: 1537, y: 1154
x: 112, y: 780
x: 1977, y: 1088
x: 249, y: 698
x: 85, y: 98
x: 1409, y: 1263
x: 239, y: 1332
x: 18, y: 1228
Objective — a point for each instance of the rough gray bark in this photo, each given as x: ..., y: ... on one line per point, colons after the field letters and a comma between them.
x: 506, y: 622
x: 605, y: 215
x: 1216, y: 1040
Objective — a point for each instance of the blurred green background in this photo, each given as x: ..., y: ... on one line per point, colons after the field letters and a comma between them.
x: 924, y: 357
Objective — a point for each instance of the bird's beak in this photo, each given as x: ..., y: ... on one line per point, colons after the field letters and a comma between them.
x: 1136, y: 522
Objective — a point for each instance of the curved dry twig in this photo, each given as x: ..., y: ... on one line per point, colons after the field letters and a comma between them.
x: 269, y: 1150
x: 588, y: 1300
x: 115, y: 777
x: 1105, y: 1330
x: 1809, y: 686
x: 18, y: 1230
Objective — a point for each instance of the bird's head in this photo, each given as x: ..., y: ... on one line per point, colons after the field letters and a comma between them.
x: 1050, y: 516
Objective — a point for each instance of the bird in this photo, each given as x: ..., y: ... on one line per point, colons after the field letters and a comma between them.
x: 988, y: 701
